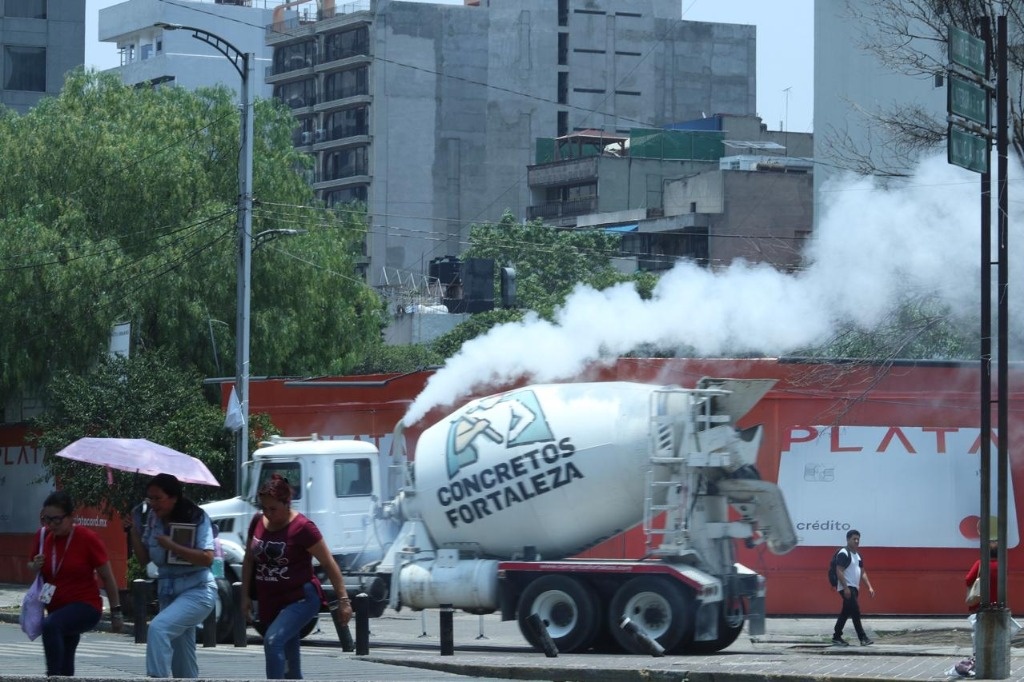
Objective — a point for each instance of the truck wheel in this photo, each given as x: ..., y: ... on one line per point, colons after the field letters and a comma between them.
x: 569, y: 609
x: 224, y: 607
x: 661, y: 608
x: 730, y: 625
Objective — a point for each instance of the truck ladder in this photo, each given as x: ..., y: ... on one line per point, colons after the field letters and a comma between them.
x: 668, y: 476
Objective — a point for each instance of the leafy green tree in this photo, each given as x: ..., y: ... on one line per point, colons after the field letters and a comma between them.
x: 148, y: 396
x: 119, y: 204
x: 549, y: 262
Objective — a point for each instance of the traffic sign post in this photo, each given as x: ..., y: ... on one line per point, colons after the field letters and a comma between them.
x: 967, y: 51
x: 967, y: 150
x: 968, y: 102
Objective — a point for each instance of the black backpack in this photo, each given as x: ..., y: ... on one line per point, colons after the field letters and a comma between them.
x: 833, y: 567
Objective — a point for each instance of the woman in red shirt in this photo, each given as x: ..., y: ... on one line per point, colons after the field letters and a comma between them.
x: 72, y: 556
x: 279, y: 562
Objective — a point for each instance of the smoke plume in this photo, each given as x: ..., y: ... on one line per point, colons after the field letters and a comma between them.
x: 872, y: 247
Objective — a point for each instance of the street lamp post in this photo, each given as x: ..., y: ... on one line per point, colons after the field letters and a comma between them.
x: 244, y: 63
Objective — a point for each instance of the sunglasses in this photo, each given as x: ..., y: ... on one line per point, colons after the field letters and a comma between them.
x: 53, y: 519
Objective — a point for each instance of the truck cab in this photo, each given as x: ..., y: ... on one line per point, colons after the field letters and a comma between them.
x: 335, y: 483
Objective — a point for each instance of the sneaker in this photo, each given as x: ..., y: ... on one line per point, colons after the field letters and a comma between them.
x: 866, y: 641
x: 839, y: 641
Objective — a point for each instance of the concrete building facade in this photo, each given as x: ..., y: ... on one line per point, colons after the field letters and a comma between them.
x: 429, y: 113
x: 852, y: 86
x: 40, y: 42
x: 150, y: 54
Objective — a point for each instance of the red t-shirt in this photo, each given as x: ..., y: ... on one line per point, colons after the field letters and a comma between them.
x: 70, y: 563
x: 993, y: 580
x: 282, y: 564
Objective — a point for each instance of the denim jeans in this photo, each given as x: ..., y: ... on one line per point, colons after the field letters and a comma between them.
x: 281, y: 641
x: 171, y: 641
x: 62, y: 631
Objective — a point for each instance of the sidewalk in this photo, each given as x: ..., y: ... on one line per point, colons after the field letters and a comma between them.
x: 794, y: 649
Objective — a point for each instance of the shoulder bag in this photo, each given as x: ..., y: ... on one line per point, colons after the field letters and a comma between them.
x: 32, y: 609
x: 974, y: 593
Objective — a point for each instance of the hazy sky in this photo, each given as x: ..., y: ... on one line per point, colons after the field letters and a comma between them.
x: 785, y: 51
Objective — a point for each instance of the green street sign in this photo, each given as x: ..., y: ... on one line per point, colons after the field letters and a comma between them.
x: 967, y: 150
x: 966, y: 99
x: 967, y: 51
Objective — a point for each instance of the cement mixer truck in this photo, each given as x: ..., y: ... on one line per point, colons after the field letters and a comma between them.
x: 502, y: 493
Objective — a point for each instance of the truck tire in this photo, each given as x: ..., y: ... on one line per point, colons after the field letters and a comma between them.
x: 225, y: 610
x: 661, y: 608
x: 569, y: 609
x: 730, y: 625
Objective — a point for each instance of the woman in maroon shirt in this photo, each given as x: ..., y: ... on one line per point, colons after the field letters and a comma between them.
x: 279, y: 562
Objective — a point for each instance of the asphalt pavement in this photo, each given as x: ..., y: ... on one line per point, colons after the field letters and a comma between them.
x: 406, y: 646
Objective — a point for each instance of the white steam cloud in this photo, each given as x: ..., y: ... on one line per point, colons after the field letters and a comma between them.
x: 871, y: 249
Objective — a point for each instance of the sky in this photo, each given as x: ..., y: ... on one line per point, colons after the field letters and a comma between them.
x: 785, y: 51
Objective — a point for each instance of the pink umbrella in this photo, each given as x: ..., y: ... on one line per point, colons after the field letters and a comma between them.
x: 140, y: 456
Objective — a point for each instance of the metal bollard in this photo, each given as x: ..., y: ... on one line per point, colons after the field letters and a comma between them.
x: 344, y: 634
x: 447, y: 630
x: 140, y: 602
x: 646, y: 642
x: 362, y: 608
x: 540, y: 633
x: 238, y: 623
x: 210, y: 628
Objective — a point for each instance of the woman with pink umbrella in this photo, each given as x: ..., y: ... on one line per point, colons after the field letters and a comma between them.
x: 177, y: 536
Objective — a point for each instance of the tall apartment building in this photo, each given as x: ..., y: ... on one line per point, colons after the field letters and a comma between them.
x: 852, y: 85
x: 429, y: 113
x: 40, y: 41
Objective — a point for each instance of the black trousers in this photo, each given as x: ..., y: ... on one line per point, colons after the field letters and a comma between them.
x: 851, y: 611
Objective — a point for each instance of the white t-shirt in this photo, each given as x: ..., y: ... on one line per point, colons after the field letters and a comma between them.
x: 852, y: 572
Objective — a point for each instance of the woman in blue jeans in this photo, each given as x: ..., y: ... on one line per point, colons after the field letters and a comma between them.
x: 177, y: 536
x: 279, y: 562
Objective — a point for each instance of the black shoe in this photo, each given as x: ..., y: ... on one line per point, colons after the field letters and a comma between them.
x: 866, y: 641
x: 839, y: 641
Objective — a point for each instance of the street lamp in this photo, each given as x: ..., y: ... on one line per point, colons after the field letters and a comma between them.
x: 244, y: 63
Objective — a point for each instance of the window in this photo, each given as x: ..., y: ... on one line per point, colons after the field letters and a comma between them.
x: 563, y: 49
x: 289, y: 471
x: 563, y: 123
x: 348, y: 122
x: 563, y: 12
x: 352, y: 43
x: 352, y: 478
x: 346, y: 163
x: 26, y: 9
x: 25, y: 68
x: 297, y: 94
x: 563, y: 87
x: 292, y: 57
x: 348, y: 195
x: 146, y: 52
x: 344, y: 84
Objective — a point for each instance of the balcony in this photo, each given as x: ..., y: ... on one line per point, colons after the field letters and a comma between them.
x: 556, y: 173
x: 561, y: 209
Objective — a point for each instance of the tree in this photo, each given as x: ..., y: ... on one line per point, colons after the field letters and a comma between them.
x: 549, y: 264
x: 148, y: 396
x: 910, y: 37
x: 119, y: 204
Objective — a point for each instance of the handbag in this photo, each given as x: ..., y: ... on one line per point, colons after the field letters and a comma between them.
x: 974, y: 593
x: 32, y: 610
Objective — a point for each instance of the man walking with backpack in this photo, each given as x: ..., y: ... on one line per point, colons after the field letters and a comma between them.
x: 849, y: 572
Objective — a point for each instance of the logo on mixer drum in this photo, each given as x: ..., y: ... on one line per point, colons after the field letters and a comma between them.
x: 513, y: 418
